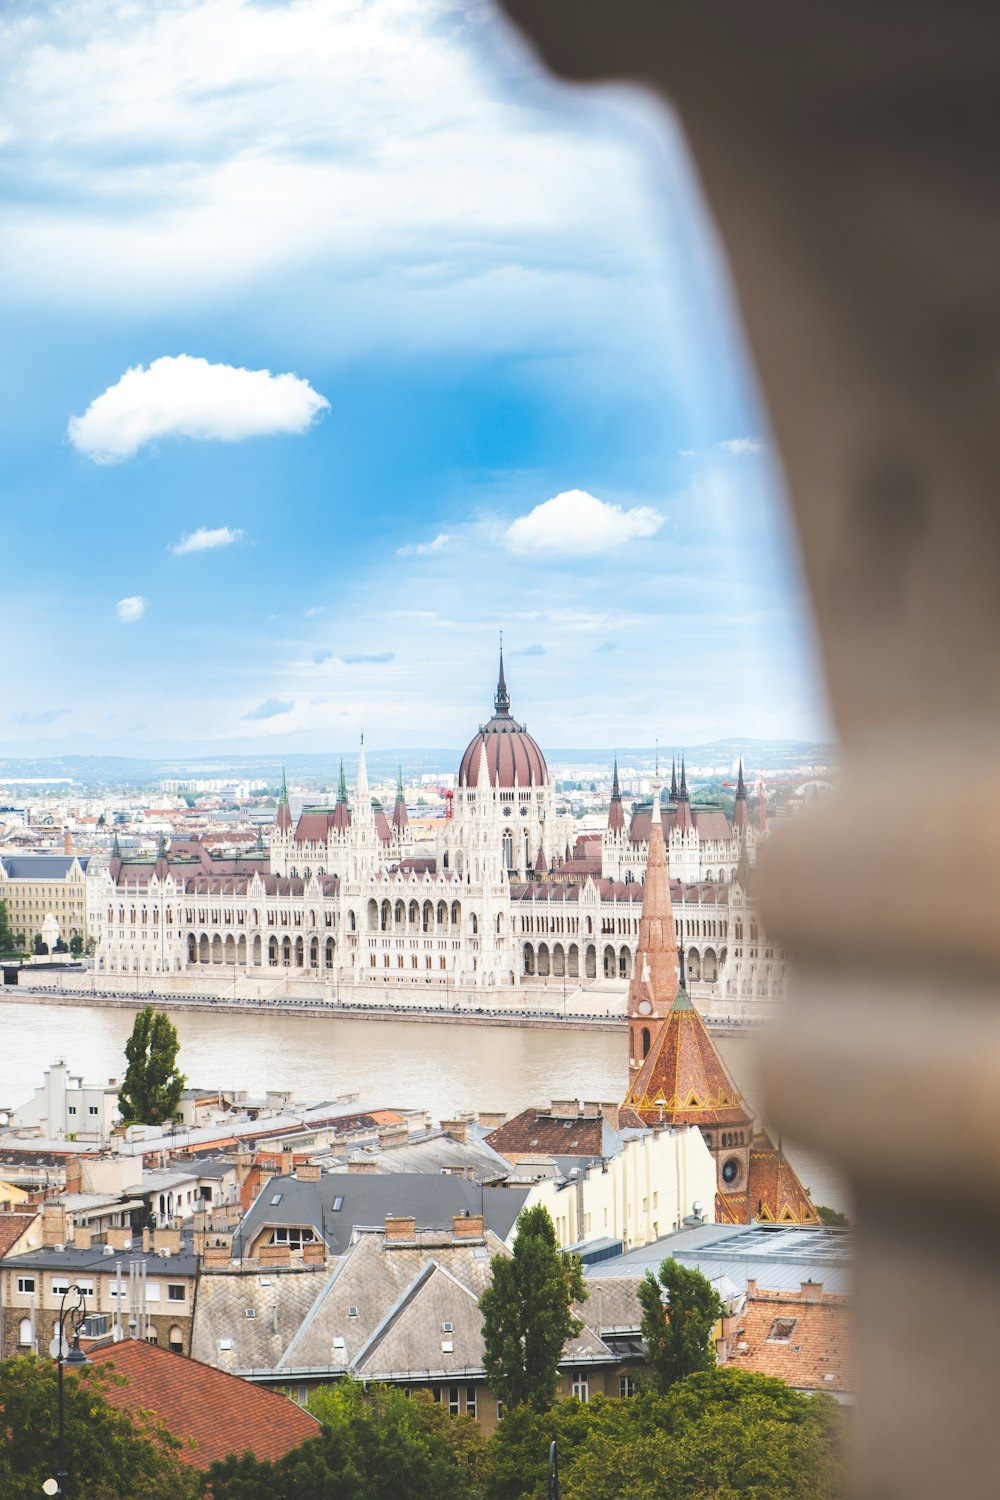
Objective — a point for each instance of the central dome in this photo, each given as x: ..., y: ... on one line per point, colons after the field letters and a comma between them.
x: 511, y: 753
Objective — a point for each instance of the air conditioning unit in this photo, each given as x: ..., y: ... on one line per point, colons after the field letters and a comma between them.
x: 107, y: 1249
x: 59, y: 1249
x: 164, y: 1254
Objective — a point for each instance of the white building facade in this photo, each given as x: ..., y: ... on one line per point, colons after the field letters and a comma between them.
x: 508, y: 900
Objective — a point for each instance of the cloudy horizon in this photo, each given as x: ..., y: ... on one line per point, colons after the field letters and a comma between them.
x: 343, y: 343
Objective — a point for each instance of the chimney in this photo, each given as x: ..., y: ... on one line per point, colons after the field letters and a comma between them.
x: 314, y: 1253
x: 82, y: 1238
x: 468, y: 1228
x: 146, y: 1243
x: 274, y: 1255
x: 216, y: 1255
x: 457, y: 1130
x: 399, y: 1229
x: 308, y: 1172
x: 53, y: 1224
x: 67, y: 841
x: 167, y: 1239
x: 74, y: 1174
x: 362, y: 1164
x: 611, y: 1113
x: 119, y: 1239
x: 751, y: 1288
x: 812, y: 1291
x: 492, y: 1119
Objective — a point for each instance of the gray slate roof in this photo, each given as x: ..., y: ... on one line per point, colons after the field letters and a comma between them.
x: 278, y: 1301
x: 441, y: 1153
x: 42, y: 866
x: 777, y: 1258
x: 367, y: 1199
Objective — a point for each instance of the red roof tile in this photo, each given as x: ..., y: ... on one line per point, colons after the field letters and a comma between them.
x: 211, y: 1412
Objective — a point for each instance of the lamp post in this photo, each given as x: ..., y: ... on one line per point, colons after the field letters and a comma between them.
x: 73, y: 1356
x: 553, y: 1472
x: 661, y: 1105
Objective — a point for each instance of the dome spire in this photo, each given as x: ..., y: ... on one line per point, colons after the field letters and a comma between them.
x: 501, y: 700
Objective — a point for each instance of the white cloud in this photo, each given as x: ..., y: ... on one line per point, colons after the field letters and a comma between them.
x: 689, y: 452
x: 204, y: 539
x: 423, y: 549
x: 271, y: 708
x: 132, y: 608
x: 183, y: 396
x: 743, y: 447
x: 578, y: 525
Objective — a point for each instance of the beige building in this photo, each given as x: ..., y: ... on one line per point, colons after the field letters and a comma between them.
x: 36, y: 886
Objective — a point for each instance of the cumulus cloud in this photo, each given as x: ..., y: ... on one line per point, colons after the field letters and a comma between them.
x: 578, y: 524
x: 204, y: 539
x: 270, y: 709
x: 743, y: 447
x: 689, y: 452
x: 183, y: 396
x: 379, y: 657
x: 131, y: 608
x: 423, y: 549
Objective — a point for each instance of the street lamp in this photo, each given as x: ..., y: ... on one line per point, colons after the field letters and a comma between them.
x: 73, y: 1356
x: 661, y: 1105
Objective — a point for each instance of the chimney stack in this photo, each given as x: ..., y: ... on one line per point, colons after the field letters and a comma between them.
x: 397, y: 1229
x: 468, y: 1227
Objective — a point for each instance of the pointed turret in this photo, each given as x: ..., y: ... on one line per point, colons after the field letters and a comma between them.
x: 400, y: 821
x: 683, y: 819
x: 541, y: 863
x: 673, y: 779
x: 260, y: 840
x: 284, y: 818
x: 341, y: 813
x: 616, y: 812
x: 741, y: 812
x: 362, y: 791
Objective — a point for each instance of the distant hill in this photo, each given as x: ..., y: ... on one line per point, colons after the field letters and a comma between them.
x: 123, y: 772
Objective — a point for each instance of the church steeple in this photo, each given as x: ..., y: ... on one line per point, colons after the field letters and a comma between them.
x: 673, y: 778
x: 683, y: 819
x: 616, y: 812
x: 654, y: 976
x: 342, y: 786
x: 400, y: 820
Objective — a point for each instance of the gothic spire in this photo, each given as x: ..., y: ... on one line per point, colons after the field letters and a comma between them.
x: 342, y: 786
x: 741, y: 789
x: 683, y: 789
x: 501, y: 700
x: 400, y: 820
x: 284, y: 818
x: 616, y: 813
x: 741, y: 815
x: 673, y: 778
x: 116, y: 849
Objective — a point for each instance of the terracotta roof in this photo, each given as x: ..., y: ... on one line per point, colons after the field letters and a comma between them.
x: 685, y: 1069
x: 711, y: 822
x: 540, y: 1132
x: 211, y: 1412
x: 654, y: 974
x: 774, y: 1193
x: 12, y: 1226
x: 801, y: 1337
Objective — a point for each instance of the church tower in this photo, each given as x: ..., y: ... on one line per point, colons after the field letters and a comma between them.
x: 654, y: 976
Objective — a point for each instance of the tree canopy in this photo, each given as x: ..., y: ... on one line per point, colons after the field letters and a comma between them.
x: 7, y: 942
x: 152, y: 1086
x: 527, y: 1313
x: 108, y: 1456
x: 679, y: 1311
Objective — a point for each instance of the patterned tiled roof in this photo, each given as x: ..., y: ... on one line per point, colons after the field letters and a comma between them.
x: 802, y: 1337
x: 685, y: 1070
x: 211, y: 1412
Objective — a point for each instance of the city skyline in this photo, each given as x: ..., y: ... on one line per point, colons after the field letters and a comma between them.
x: 310, y: 403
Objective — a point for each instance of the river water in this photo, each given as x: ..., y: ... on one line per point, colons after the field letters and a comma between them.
x: 411, y: 1064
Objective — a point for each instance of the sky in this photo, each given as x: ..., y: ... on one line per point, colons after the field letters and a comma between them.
x: 337, y: 340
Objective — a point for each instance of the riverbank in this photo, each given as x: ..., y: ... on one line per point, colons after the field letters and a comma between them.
x: 462, y: 1013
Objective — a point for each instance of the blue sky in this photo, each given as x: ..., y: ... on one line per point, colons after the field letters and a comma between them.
x: 337, y: 339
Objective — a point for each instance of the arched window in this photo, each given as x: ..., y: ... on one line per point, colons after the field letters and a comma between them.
x: 645, y: 1041
x: 24, y: 1337
x: 176, y: 1339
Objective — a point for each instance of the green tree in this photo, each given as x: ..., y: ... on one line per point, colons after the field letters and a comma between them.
x: 152, y: 1086
x: 76, y: 945
x: 527, y: 1313
x: 376, y: 1445
x: 7, y: 943
x: 110, y: 1455
x: 679, y: 1311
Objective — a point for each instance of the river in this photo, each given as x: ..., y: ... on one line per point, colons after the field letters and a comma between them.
x: 411, y: 1064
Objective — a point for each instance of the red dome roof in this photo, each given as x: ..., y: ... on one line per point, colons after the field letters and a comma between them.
x: 511, y: 753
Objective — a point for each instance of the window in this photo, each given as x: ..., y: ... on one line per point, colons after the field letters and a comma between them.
x: 295, y: 1236
x: 152, y: 1291
x: 25, y: 1337
x: 26, y: 1283
x: 176, y: 1291
x: 176, y: 1340
x: 454, y: 1393
x: 626, y: 1386
x: 60, y: 1287
x: 92, y: 1109
x: 71, y: 1109
x: 581, y: 1386
x: 471, y: 1406
x: 781, y: 1330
